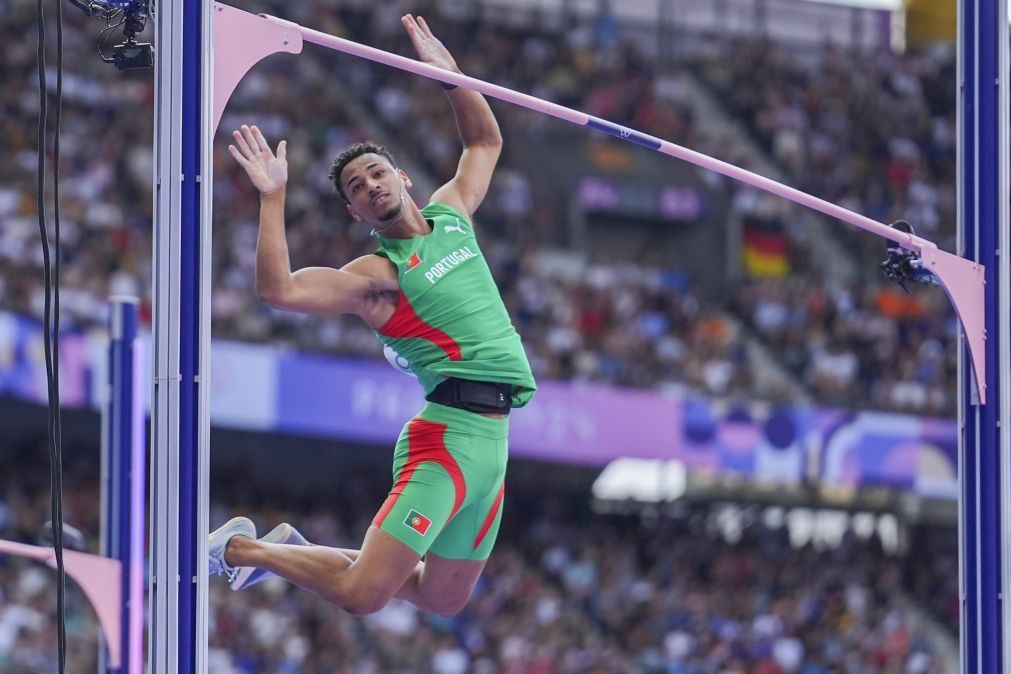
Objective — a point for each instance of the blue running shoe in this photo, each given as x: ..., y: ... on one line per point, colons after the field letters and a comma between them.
x: 218, y: 541
x: 284, y: 534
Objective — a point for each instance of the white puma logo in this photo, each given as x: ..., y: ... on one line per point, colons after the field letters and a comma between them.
x: 457, y: 228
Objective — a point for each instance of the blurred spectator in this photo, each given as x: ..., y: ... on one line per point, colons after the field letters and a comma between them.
x: 874, y: 343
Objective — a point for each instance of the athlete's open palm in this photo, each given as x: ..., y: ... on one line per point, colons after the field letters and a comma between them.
x: 429, y: 48
x: 266, y: 171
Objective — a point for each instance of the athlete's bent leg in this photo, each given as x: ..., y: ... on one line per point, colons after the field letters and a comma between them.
x: 443, y: 586
x: 436, y: 585
x: 445, y: 504
x: 360, y: 586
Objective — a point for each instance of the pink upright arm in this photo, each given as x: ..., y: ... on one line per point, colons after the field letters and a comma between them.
x: 99, y: 577
x: 241, y: 40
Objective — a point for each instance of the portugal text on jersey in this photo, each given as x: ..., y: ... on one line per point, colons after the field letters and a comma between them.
x: 446, y: 264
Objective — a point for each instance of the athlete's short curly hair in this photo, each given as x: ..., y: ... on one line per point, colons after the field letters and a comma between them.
x: 352, y: 152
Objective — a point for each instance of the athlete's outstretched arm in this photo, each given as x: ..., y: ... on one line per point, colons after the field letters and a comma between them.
x: 312, y: 289
x: 482, y: 140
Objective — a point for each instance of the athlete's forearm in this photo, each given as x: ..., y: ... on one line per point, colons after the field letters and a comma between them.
x: 273, y: 268
x: 474, y: 119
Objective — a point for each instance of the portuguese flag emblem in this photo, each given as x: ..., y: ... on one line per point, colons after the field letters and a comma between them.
x: 414, y: 261
x: 418, y: 522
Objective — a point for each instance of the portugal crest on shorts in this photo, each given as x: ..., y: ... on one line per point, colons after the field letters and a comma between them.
x: 418, y: 522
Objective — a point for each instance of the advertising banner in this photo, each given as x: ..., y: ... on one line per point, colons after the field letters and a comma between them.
x: 263, y: 388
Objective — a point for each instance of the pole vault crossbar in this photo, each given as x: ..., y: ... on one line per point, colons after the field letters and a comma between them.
x: 243, y: 39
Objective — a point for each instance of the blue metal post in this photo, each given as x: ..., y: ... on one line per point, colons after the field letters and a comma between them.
x: 189, y: 331
x: 181, y: 341
x: 980, y: 171
x: 123, y: 474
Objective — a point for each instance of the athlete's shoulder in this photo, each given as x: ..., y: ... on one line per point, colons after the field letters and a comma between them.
x: 436, y: 208
x: 375, y: 265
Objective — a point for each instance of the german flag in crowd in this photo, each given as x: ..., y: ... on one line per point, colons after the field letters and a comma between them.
x: 765, y: 248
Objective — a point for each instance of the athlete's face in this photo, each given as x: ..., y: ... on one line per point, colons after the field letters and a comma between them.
x: 376, y: 191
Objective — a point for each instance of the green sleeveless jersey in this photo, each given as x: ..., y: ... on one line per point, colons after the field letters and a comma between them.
x: 450, y: 320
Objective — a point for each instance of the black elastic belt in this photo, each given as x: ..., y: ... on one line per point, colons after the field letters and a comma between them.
x: 483, y: 397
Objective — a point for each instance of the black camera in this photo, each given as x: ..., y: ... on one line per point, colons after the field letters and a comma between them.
x: 903, y: 265
x: 132, y: 55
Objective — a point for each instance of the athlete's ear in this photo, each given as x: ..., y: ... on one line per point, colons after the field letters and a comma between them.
x: 352, y: 212
x: 404, y: 177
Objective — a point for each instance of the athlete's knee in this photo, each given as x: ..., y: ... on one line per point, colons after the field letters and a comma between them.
x: 365, y: 598
x: 447, y: 604
x: 449, y: 608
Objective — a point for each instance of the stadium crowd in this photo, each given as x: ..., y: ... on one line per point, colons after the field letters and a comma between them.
x: 874, y: 132
x: 873, y: 343
x: 566, y: 590
x: 619, y: 322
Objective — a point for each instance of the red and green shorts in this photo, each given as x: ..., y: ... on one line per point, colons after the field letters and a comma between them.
x: 448, y: 483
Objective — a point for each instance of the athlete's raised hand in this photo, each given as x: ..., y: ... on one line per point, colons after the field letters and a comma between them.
x: 267, y: 172
x: 429, y: 48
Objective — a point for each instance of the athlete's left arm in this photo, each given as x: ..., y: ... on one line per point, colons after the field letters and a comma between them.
x: 482, y: 140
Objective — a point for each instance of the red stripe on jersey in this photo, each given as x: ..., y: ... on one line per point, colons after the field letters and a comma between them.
x: 425, y: 442
x: 491, y: 517
x: 406, y: 323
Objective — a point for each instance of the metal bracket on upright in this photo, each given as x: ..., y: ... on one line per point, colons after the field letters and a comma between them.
x: 99, y: 577
x: 964, y: 282
x: 241, y: 40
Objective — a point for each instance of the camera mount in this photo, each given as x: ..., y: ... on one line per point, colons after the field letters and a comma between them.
x: 132, y: 15
x: 903, y: 265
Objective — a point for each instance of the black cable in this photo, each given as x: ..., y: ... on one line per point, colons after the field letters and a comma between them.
x: 61, y: 588
x: 50, y: 344
x: 106, y: 36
